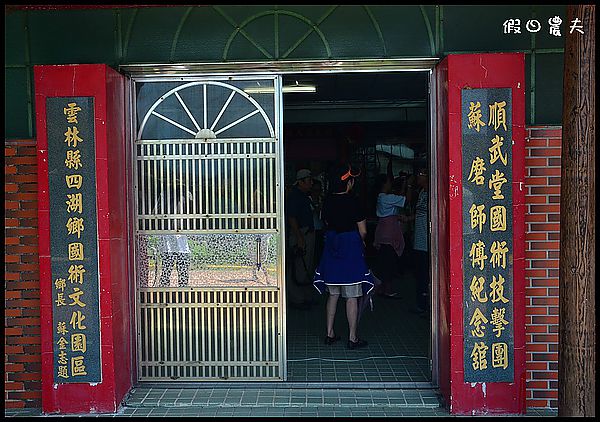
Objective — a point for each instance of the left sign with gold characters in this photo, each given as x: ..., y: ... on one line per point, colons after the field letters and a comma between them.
x: 73, y: 239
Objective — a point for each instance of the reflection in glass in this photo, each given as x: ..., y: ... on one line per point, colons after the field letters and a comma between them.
x: 210, y: 260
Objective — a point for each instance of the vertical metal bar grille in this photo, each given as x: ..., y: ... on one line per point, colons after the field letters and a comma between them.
x: 209, y: 330
x: 178, y: 345
x: 164, y: 166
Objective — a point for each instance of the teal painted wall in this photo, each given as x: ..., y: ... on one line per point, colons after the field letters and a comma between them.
x: 119, y: 36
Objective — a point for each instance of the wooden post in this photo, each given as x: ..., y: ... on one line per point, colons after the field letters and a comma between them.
x: 577, y: 306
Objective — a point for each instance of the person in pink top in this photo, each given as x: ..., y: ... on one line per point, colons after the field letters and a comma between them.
x: 389, y: 238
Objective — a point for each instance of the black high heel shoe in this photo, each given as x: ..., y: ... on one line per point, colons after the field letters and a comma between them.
x: 331, y: 340
x: 356, y: 344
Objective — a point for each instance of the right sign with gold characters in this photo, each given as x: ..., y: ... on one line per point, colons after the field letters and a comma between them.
x: 486, y: 118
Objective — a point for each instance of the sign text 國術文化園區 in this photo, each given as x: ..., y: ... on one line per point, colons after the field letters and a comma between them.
x: 73, y: 240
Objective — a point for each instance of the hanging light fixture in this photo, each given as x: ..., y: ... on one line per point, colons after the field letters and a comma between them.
x: 297, y: 87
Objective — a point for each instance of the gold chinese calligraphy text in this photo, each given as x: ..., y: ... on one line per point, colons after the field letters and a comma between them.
x: 475, y: 116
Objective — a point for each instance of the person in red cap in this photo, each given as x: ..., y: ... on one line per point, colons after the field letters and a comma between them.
x: 342, y: 269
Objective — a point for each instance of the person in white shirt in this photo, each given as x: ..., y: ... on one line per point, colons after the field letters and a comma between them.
x: 174, y: 248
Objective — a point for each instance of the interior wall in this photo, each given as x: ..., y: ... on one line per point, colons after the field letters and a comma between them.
x: 351, y: 112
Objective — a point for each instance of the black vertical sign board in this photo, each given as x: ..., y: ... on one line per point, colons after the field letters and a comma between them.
x: 73, y: 240
x: 488, y: 291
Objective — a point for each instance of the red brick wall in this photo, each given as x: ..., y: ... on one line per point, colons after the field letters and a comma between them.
x: 22, y: 353
x: 542, y: 197
x: 22, y: 324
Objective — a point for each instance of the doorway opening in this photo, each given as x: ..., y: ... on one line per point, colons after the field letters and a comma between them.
x: 379, y: 122
x: 238, y: 142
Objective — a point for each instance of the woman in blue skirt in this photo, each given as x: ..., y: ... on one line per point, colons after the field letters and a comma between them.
x: 343, y: 270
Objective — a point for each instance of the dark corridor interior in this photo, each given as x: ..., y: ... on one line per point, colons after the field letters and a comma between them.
x: 368, y: 119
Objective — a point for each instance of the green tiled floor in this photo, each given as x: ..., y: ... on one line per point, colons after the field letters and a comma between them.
x: 279, y: 396
x: 398, y: 343
x: 161, y: 402
x: 148, y: 401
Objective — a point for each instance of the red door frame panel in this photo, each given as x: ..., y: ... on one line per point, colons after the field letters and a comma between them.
x: 455, y: 72
x: 107, y: 88
x: 443, y: 264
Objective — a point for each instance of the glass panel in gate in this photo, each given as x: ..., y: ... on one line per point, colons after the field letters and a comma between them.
x: 208, y: 229
x: 214, y: 260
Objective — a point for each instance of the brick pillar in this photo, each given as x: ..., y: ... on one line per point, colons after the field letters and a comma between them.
x: 22, y: 346
x: 542, y: 198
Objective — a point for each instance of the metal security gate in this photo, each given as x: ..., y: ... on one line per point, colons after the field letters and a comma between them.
x: 208, y: 228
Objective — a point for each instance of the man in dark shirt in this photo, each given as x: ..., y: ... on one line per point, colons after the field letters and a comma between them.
x: 301, y: 240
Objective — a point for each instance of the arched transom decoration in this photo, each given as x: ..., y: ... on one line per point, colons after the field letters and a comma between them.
x: 204, y: 126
